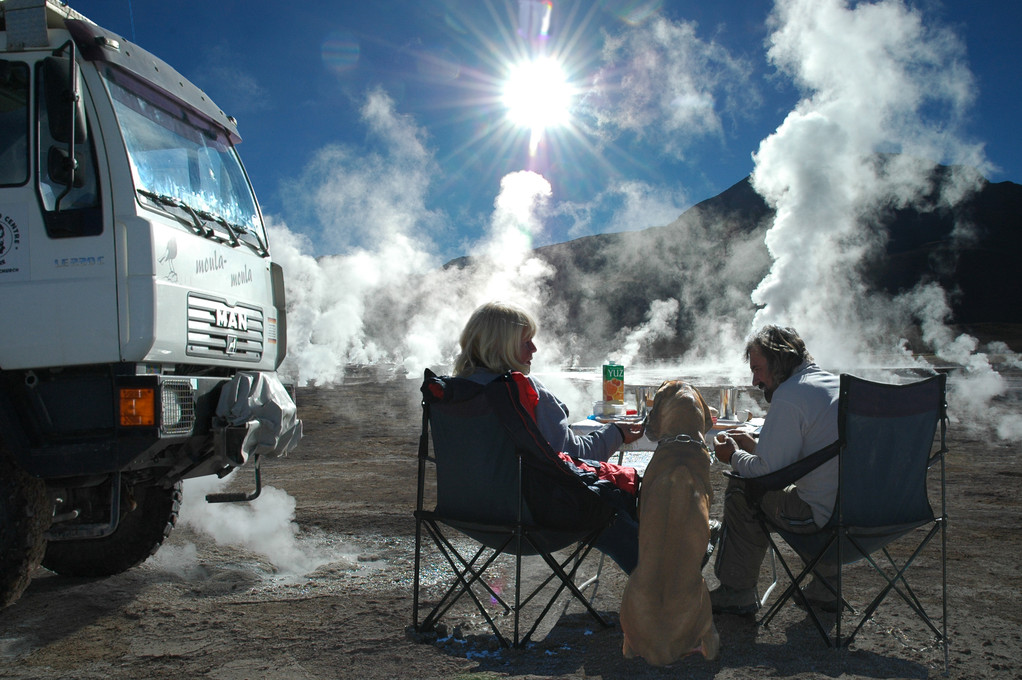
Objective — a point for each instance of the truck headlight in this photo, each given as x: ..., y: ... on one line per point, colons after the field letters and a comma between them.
x: 177, y: 415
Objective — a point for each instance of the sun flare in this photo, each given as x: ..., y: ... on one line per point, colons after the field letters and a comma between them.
x: 537, y: 96
x: 526, y: 97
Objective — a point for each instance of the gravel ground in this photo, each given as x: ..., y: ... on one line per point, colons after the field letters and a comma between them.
x: 314, y: 581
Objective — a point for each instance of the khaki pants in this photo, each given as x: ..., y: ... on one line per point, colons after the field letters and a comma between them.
x: 743, y: 543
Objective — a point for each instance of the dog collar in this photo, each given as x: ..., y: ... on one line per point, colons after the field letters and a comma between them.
x: 683, y: 439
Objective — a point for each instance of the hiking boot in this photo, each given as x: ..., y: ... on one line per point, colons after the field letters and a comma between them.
x: 715, y: 528
x: 727, y: 600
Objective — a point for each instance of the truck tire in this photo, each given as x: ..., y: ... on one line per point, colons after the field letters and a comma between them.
x: 25, y: 515
x: 139, y: 534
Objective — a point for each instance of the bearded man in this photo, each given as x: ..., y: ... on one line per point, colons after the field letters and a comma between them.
x: 802, y: 419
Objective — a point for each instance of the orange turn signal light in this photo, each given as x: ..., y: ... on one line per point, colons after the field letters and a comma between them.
x: 138, y: 406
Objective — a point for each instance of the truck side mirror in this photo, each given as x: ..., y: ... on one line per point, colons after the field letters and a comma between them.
x: 65, y: 108
x: 61, y: 167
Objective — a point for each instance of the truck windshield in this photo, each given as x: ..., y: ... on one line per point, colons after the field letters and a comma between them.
x: 180, y: 159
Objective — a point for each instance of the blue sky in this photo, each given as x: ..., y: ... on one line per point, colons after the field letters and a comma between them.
x: 671, y: 98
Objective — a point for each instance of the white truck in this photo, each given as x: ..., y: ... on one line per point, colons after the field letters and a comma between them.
x: 141, y: 316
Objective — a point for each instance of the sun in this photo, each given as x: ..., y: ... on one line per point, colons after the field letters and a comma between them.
x: 538, y: 96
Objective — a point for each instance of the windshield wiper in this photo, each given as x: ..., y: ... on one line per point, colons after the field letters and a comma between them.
x: 234, y: 229
x: 196, y: 223
x: 200, y: 219
x: 218, y: 219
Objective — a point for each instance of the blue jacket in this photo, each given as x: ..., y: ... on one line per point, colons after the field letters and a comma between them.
x: 553, y: 421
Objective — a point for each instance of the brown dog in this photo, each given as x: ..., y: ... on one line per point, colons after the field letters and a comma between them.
x: 665, y: 609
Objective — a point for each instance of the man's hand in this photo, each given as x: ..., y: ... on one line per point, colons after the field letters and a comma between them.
x: 726, y: 443
x: 724, y: 447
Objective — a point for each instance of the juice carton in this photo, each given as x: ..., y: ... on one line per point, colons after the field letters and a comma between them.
x: 614, y: 383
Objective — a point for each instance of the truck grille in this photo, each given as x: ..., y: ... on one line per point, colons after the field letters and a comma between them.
x: 217, y: 330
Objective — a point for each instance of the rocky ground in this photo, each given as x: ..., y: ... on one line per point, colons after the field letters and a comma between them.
x: 327, y: 593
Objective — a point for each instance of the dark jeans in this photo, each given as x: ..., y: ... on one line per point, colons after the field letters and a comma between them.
x: 744, y: 545
x: 620, y: 542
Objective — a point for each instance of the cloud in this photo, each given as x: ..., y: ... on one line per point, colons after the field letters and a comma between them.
x: 662, y: 83
x: 237, y: 90
x: 629, y: 205
x: 349, y: 198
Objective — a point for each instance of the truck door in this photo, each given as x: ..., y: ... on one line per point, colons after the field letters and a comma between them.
x: 58, y: 273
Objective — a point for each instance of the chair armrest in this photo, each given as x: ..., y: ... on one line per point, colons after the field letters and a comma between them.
x: 755, y: 487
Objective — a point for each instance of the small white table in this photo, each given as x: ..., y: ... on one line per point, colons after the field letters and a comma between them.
x: 638, y: 453
x: 583, y: 427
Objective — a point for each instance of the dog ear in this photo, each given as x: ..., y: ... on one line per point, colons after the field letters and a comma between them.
x: 653, y: 419
x: 707, y: 418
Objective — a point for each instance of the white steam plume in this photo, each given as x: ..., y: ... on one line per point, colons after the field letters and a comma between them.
x: 876, y: 79
x: 632, y: 205
x: 660, y: 323
x: 265, y: 527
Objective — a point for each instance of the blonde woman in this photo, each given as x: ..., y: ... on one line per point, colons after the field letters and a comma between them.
x: 499, y: 337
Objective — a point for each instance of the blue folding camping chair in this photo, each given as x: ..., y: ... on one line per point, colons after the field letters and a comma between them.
x: 499, y: 485
x: 885, y: 450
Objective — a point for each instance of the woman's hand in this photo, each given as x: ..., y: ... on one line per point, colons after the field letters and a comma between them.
x: 631, y: 432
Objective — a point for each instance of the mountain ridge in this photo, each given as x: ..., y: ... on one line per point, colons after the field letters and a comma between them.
x: 714, y: 255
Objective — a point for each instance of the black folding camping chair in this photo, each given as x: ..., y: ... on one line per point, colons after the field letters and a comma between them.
x: 885, y: 450
x: 501, y: 489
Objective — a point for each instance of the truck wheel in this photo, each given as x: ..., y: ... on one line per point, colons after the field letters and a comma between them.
x: 139, y: 535
x: 25, y: 515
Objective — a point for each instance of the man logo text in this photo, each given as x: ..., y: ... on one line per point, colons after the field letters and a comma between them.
x: 226, y: 318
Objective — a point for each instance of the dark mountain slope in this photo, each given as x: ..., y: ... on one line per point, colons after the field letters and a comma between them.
x: 712, y: 257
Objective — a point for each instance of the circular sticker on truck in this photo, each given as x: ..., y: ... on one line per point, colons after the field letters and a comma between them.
x: 10, y: 245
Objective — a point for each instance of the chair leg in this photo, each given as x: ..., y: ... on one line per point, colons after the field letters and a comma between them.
x: 943, y: 579
x: 468, y: 578
x: 593, y: 581
x: 794, y: 590
x: 415, y: 581
x: 518, y: 584
x: 773, y: 576
x: 788, y: 592
x: 463, y: 585
x: 908, y: 595
x: 567, y: 580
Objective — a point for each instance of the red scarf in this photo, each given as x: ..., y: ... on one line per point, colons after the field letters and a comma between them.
x: 624, y: 478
